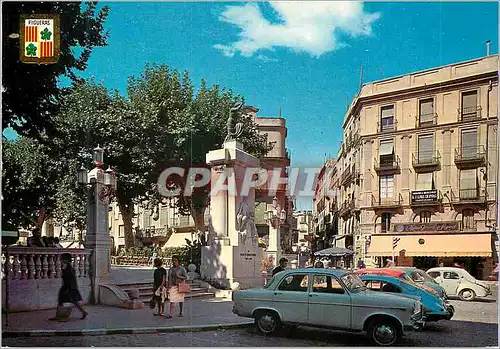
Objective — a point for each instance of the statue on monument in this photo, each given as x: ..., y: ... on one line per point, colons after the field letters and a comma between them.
x: 234, y: 131
x: 246, y: 224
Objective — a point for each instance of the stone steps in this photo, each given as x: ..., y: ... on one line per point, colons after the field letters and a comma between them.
x: 146, y: 290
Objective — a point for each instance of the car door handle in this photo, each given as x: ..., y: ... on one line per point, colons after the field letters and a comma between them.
x: 278, y: 293
x: 313, y: 295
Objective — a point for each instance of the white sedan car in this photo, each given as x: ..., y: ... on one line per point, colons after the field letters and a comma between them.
x: 458, y: 282
x: 329, y: 298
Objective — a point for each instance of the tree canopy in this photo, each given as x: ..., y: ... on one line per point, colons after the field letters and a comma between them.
x: 30, y: 91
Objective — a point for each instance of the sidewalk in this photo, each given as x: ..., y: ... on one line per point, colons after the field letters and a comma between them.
x: 199, y: 315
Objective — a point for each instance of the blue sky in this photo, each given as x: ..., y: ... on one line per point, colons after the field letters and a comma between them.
x: 305, y: 61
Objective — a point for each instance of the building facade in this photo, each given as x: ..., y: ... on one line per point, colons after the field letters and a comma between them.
x: 419, y: 168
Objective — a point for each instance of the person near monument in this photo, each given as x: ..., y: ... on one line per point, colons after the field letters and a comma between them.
x: 176, y: 275
x: 282, y: 265
x: 69, y: 292
x: 159, y: 286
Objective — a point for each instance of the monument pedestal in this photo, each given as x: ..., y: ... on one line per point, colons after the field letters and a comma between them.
x: 233, y: 256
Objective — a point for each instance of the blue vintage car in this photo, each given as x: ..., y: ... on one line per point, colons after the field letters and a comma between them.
x: 421, y: 277
x: 435, y: 308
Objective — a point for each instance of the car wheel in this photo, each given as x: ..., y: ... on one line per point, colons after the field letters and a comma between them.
x: 267, y: 322
x: 384, y: 332
x: 467, y: 295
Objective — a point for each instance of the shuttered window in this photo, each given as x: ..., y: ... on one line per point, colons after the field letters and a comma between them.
x: 469, y: 144
x: 425, y: 181
x: 386, y: 187
x: 164, y: 217
x: 468, y: 184
x: 469, y: 104
x: 387, y: 117
x: 386, y: 147
x: 426, y: 111
x: 146, y: 218
x: 425, y: 148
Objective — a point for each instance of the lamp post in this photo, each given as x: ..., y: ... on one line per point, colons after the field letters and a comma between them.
x: 275, y: 218
x: 101, y: 186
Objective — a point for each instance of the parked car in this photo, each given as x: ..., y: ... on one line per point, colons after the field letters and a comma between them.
x: 421, y: 277
x: 397, y: 273
x: 329, y: 298
x: 435, y: 308
x: 458, y: 282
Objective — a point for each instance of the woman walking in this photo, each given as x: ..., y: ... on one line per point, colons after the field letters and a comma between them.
x: 159, y: 283
x: 69, y: 291
x: 176, y: 275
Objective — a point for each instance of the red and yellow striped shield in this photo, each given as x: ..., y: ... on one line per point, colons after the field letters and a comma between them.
x: 40, y: 38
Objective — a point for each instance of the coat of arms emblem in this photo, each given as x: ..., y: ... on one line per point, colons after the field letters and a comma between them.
x: 40, y: 38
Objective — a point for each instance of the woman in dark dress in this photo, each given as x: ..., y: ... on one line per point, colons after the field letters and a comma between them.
x: 69, y: 291
x: 159, y: 280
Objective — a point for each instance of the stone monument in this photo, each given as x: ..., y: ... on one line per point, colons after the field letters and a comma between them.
x: 232, y: 256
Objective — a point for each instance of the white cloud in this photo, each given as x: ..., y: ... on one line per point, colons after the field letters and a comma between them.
x: 304, y: 26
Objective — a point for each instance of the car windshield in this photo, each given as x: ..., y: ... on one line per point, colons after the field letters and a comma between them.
x: 421, y: 276
x: 353, y: 282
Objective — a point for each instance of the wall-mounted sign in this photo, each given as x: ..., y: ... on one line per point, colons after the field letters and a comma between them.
x: 419, y: 227
x: 424, y: 196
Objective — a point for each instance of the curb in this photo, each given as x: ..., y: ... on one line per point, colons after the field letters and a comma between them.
x: 138, y: 330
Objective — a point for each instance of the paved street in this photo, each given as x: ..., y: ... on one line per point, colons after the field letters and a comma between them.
x: 475, y: 324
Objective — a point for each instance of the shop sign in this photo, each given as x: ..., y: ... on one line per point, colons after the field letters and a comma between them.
x: 423, y: 196
x: 421, y: 227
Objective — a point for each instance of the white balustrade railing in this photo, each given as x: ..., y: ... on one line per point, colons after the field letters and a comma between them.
x: 28, y: 263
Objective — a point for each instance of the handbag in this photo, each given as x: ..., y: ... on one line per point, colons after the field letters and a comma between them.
x: 152, y: 303
x: 184, y: 287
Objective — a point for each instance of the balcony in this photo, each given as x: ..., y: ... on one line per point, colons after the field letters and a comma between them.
x: 182, y: 222
x: 426, y: 198
x: 387, y: 203
x: 469, y: 113
x: 468, y: 226
x: 383, y: 128
x: 349, y: 175
x: 426, y: 120
x: 347, y: 207
x: 468, y: 197
x: 151, y: 232
x: 470, y: 157
x: 387, y: 164
x: 426, y: 161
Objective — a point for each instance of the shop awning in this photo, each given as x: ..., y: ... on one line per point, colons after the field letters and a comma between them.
x: 435, y: 245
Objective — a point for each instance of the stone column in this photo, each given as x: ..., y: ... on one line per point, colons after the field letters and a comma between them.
x: 97, y: 235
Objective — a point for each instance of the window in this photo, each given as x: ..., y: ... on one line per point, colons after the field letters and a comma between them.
x: 425, y: 181
x: 386, y: 187
x: 468, y: 219
x: 469, y: 104
x: 468, y: 184
x: 450, y: 275
x: 434, y: 274
x: 163, y: 217
x: 326, y: 284
x: 425, y: 217
x: 121, y: 231
x: 386, y: 148
x: 387, y: 118
x: 383, y: 286
x: 296, y: 282
x: 374, y: 285
x: 386, y: 222
x: 425, y: 148
x: 469, y: 144
x: 426, y: 114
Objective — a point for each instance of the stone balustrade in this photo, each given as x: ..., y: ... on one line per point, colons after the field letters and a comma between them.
x: 34, y: 276
x: 26, y: 263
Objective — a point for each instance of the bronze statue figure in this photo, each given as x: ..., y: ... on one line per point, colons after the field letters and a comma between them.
x: 237, y: 130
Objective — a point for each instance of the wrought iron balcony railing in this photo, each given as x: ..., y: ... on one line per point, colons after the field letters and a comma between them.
x: 387, y: 163
x: 470, y: 157
x: 426, y: 160
x: 387, y: 127
x: 426, y: 120
x: 469, y: 113
x: 468, y: 196
x: 387, y: 203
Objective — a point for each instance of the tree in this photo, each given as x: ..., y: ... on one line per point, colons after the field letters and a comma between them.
x: 30, y: 91
x: 192, y: 125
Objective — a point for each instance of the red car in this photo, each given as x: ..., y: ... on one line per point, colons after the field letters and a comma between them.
x: 397, y: 273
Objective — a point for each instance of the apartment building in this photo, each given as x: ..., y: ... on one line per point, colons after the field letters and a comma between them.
x: 325, y: 205
x: 419, y: 168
